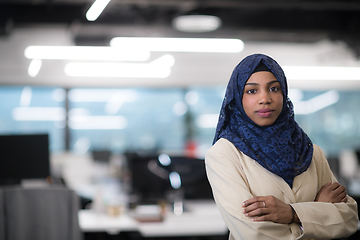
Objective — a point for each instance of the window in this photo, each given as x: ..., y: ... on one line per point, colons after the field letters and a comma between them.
x: 126, y: 119
x: 34, y: 110
x: 150, y: 119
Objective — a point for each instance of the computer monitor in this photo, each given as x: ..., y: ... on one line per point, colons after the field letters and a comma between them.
x: 194, y: 182
x: 145, y: 185
x: 151, y: 178
x: 24, y: 157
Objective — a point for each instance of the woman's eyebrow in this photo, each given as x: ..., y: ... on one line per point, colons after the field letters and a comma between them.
x: 269, y: 83
x: 275, y: 81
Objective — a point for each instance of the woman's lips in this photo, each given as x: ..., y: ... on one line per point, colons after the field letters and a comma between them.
x: 264, y: 112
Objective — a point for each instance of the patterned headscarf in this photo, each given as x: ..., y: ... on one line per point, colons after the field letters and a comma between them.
x: 283, y: 148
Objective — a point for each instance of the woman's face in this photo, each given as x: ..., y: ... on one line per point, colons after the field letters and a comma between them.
x: 262, y: 98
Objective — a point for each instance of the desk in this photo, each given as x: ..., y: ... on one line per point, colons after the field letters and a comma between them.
x: 201, y: 218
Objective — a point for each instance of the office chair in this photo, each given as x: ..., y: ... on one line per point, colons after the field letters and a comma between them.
x: 49, y: 213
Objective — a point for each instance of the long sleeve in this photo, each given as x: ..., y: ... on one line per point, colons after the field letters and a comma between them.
x: 327, y: 220
x: 231, y: 189
x: 234, y: 178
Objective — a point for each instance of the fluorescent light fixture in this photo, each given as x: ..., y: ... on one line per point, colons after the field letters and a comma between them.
x: 73, y: 112
x: 39, y: 114
x: 34, y: 67
x: 196, y: 23
x: 86, y: 53
x: 114, y: 98
x: 26, y: 95
x: 322, y: 73
x: 160, y: 68
x: 212, y: 45
x: 117, y: 100
x: 207, y: 120
x: 317, y: 103
x: 96, y: 9
x: 100, y: 95
x: 296, y: 95
x: 98, y: 122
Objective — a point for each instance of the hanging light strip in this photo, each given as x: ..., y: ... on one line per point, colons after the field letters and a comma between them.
x: 211, y: 45
x: 322, y: 73
x: 86, y: 53
x: 159, y: 68
x: 96, y: 9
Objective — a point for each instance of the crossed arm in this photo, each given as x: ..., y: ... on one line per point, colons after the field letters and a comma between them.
x: 324, y: 213
x: 269, y: 208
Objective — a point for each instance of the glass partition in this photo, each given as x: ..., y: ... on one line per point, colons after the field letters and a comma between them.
x: 330, y: 118
x: 122, y: 120
x: 150, y: 119
x: 30, y: 110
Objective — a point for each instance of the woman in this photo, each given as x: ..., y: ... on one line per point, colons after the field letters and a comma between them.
x: 269, y: 180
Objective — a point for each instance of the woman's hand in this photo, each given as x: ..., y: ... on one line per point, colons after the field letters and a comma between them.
x: 267, y: 208
x: 332, y: 193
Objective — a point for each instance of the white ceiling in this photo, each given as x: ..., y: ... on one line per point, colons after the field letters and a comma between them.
x: 190, y: 69
x: 292, y: 32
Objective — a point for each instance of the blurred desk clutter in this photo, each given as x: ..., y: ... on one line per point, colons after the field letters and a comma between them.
x: 201, y: 219
x: 134, y: 195
x: 149, y: 195
x: 146, y: 194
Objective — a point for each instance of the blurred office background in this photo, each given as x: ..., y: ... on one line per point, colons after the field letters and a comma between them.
x: 166, y: 99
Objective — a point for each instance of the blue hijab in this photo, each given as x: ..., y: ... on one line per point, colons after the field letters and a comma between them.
x: 283, y: 148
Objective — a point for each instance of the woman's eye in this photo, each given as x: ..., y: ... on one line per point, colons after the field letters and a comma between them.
x: 251, y: 91
x: 274, y: 89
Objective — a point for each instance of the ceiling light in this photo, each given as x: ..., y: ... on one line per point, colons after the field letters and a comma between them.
x: 96, y: 9
x: 100, y: 95
x: 160, y: 68
x: 117, y: 101
x: 85, y: 53
x: 322, y: 73
x: 26, y: 95
x: 219, y: 45
x: 34, y: 67
x: 38, y: 114
x: 98, y: 122
x: 196, y: 23
x: 317, y: 103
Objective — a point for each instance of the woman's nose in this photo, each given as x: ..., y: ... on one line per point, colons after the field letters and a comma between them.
x: 264, y: 98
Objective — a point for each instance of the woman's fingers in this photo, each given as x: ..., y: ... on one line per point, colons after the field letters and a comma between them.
x: 341, y: 197
x: 339, y: 189
x: 254, y: 206
x: 254, y: 200
x: 267, y: 208
x: 333, y: 193
x: 339, y: 193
